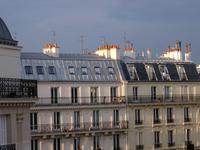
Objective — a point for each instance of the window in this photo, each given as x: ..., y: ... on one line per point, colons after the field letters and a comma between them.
x: 56, y: 144
x: 34, y: 144
x: 187, y: 134
x: 115, y: 117
x: 164, y: 72
x: 77, y: 119
x: 113, y: 93
x: 74, y: 95
x: 116, y: 142
x: 28, y: 69
x: 135, y: 93
x: 138, y: 117
x: 156, y: 118
x: 71, y: 70
x: 153, y: 93
x: 52, y: 70
x: 96, y: 118
x: 95, y: 142
x: 77, y: 143
x: 157, y: 139
x: 170, y: 138
x: 167, y: 92
x: 133, y: 72
x: 54, y: 95
x: 93, y: 94
x: 33, y: 121
x: 56, y: 120
x: 40, y: 70
x: 150, y: 72
x: 139, y: 145
x: 170, y: 115
x: 84, y: 70
x: 181, y: 72
x: 97, y: 70
x: 186, y: 114
x: 111, y: 71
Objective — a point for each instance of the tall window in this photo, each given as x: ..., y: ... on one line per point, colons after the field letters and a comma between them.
x: 157, y: 139
x: 93, y: 94
x: 116, y: 117
x: 113, y: 93
x: 77, y: 143
x: 28, y: 69
x: 77, y: 119
x: 56, y: 144
x: 156, y: 117
x: 140, y: 138
x: 95, y: 142
x: 33, y: 120
x: 135, y: 93
x: 170, y: 115
x: 116, y: 142
x: 167, y: 92
x: 96, y: 118
x: 186, y: 114
x: 56, y: 120
x: 138, y: 116
x: 74, y: 94
x: 153, y: 93
x: 187, y: 132
x: 54, y: 95
x: 34, y: 144
x: 170, y: 138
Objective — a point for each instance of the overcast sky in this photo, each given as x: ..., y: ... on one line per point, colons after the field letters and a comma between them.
x: 147, y: 23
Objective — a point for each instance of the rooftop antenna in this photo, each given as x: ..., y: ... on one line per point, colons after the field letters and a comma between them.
x: 14, y: 35
x: 54, y: 37
x: 82, y: 38
x: 125, y: 40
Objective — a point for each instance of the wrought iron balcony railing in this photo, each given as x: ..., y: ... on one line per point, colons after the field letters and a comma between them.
x: 73, y: 127
x: 170, y: 120
x: 171, y: 144
x: 138, y: 122
x: 17, y: 88
x: 187, y: 119
x: 142, y: 99
x: 156, y: 121
x: 8, y: 147
x: 80, y: 100
x: 157, y: 145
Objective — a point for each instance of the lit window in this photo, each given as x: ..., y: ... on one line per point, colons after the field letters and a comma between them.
x: 110, y: 70
x: 52, y: 70
x: 97, y: 70
x: 28, y: 69
x: 84, y: 70
x: 40, y: 69
x: 71, y: 70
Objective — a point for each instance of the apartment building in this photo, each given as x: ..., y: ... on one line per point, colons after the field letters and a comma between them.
x: 16, y: 95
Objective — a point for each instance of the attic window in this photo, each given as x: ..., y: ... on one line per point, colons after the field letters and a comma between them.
x: 181, y: 72
x: 111, y: 71
x: 52, y: 70
x: 28, y: 69
x: 133, y: 73
x: 71, y: 70
x: 97, y: 70
x: 40, y: 70
x: 150, y: 71
x: 84, y: 70
x: 164, y: 72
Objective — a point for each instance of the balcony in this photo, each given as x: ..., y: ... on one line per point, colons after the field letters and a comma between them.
x: 139, y: 147
x: 8, y: 147
x: 171, y: 144
x: 157, y: 145
x: 188, y: 142
x: 138, y: 122
x: 161, y: 99
x: 17, y: 88
x: 187, y: 119
x: 170, y: 120
x: 157, y: 121
x: 82, y: 127
x: 71, y: 101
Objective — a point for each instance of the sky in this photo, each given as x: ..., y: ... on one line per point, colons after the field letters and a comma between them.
x: 151, y: 24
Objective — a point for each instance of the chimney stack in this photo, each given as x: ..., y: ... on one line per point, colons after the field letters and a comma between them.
x: 187, y: 52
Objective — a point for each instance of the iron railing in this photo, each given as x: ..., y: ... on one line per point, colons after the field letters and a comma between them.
x: 17, y: 88
x: 8, y: 147
x: 80, y: 100
x: 142, y: 99
x: 72, y: 127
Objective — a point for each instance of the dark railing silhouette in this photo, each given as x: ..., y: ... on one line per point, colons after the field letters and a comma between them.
x: 8, y: 147
x: 81, y: 100
x: 71, y: 127
x: 17, y: 88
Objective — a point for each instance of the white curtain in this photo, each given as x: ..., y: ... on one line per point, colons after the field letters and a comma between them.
x: 3, y: 130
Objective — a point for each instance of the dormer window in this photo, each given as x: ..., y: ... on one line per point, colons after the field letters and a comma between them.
x: 40, y: 70
x: 111, y: 71
x: 164, y: 72
x: 71, y: 70
x: 52, y: 70
x: 84, y: 70
x: 97, y: 70
x: 151, y: 72
x: 132, y: 73
x: 28, y: 69
x: 181, y: 72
